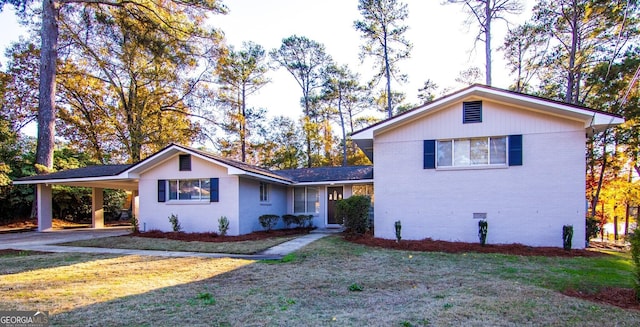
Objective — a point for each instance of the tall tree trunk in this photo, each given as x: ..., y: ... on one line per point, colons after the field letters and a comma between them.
x: 243, y: 126
x: 601, y: 178
x: 47, y: 93
x: 47, y: 88
x: 615, y: 223
x: 487, y: 42
x: 627, y: 208
x: 344, y: 133
x: 387, y: 71
x: 571, y: 73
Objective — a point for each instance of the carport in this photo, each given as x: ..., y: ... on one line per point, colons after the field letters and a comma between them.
x: 97, y: 178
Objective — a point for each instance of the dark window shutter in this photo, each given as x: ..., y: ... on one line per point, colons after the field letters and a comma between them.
x: 515, y: 150
x: 214, y: 195
x: 162, y: 190
x: 185, y: 162
x: 472, y: 112
x: 429, y: 154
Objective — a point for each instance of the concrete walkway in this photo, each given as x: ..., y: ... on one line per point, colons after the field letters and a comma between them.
x: 46, y: 242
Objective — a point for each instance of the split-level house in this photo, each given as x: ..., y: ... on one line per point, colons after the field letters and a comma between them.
x: 482, y: 153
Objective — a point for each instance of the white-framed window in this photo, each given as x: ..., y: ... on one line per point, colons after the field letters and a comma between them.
x: 306, y: 200
x: 480, y: 151
x: 190, y: 189
x: 264, y: 192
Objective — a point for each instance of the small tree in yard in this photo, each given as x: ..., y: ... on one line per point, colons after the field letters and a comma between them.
x: 634, y: 240
x: 354, y: 213
x: 175, y: 223
x: 268, y: 221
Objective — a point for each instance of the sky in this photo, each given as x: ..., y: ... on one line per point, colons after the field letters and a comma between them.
x: 442, y: 44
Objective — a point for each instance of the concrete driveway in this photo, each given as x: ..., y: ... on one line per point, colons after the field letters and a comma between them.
x: 30, y: 239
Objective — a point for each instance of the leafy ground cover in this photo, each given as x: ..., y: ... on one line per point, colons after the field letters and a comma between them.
x: 329, y: 282
x: 195, y: 242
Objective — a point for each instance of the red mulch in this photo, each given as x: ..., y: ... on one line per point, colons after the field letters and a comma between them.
x: 428, y: 245
x: 620, y: 297
x: 214, y: 237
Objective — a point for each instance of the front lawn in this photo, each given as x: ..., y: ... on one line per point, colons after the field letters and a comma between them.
x: 162, y: 244
x: 330, y: 282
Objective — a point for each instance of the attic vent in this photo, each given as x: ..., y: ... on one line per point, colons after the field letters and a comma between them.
x: 184, y: 162
x: 472, y: 112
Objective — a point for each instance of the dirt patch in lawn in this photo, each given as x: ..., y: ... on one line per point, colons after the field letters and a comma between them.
x: 214, y: 237
x: 620, y: 297
x: 428, y: 245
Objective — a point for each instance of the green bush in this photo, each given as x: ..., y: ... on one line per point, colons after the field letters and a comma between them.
x: 398, y: 226
x: 175, y: 223
x: 268, y: 221
x: 354, y: 213
x: 289, y: 220
x: 567, y: 236
x: 634, y: 240
x: 223, y: 225
x: 304, y: 221
x: 483, y: 228
x: 135, y: 225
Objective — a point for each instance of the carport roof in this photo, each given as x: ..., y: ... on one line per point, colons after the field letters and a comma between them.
x: 89, y: 171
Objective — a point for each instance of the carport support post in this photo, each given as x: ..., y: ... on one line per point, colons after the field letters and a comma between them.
x: 97, y: 208
x: 43, y: 198
x: 134, y: 204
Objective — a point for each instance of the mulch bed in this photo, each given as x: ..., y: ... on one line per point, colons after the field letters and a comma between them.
x: 214, y: 237
x: 428, y: 245
x: 620, y: 297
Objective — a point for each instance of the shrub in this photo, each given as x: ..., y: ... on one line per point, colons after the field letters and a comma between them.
x: 483, y: 227
x: 354, y: 213
x: 634, y: 240
x: 289, y: 220
x: 398, y: 226
x: 567, y: 236
x: 135, y: 225
x: 268, y: 221
x: 592, y: 229
x: 304, y: 221
x: 175, y: 223
x: 223, y: 225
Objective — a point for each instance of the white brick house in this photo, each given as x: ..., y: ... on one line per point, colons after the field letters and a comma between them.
x: 517, y: 161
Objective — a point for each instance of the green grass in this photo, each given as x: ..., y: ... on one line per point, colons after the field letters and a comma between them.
x: 144, y: 243
x: 312, y: 288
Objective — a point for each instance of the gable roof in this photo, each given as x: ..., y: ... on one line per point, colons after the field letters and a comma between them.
x: 328, y: 174
x: 593, y: 120
x: 234, y: 167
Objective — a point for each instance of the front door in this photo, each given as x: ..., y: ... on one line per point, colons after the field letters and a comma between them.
x: 333, y: 195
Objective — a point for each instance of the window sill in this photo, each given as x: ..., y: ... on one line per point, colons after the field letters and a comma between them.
x: 478, y: 167
x: 266, y: 204
x: 183, y: 202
